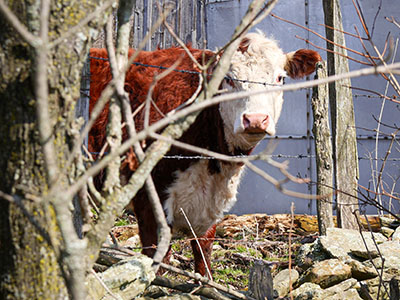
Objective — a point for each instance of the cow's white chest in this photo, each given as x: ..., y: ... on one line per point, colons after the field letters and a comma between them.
x: 204, y: 197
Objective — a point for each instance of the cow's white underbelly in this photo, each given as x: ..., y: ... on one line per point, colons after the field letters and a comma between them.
x: 204, y: 197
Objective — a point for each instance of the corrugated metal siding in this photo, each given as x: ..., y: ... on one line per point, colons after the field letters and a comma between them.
x: 186, y: 17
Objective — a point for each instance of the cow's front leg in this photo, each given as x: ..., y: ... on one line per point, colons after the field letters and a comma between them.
x: 206, y: 242
x: 148, y: 230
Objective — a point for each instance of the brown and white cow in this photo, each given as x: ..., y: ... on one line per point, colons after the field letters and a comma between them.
x: 204, y: 189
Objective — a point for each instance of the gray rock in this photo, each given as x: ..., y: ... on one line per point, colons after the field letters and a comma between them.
x: 125, y: 279
x: 345, y: 290
x: 390, y: 251
x: 364, y: 254
x: 339, y: 242
x: 374, y: 285
x: 348, y: 284
x: 281, y: 281
x: 388, y: 222
x: 309, y: 254
x: 361, y: 271
x: 326, y: 273
x: 396, y: 235
x: 308, y: 291
x: 386, y: 231
x: 350, y: 294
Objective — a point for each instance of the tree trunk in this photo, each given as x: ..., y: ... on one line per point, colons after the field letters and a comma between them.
x: 343, y: 125
x: 30, y: 244
x: 323, y: 151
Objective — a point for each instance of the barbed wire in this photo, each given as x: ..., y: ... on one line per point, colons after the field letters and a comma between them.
x: 299, y: 156
x: 190, y: 72
x: 253, y: 157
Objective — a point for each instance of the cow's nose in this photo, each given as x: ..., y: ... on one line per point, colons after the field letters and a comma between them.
x: 255, y: 122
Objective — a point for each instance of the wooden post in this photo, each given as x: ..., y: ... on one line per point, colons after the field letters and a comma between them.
x: 342, y: 116
x: 260, y: 282
x: 394, y: 288
x: 82, y: 105
x: 82, y: 111
x: 323, y: 150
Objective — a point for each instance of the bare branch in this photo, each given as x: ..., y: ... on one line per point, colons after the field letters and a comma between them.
x: 342, y: 31
x: 114, y: 132
x: 375, y: 93
x: 393, y: 21
x: 208, y: 293
x: 335, y: 52
x: 18, y: 201
x: 322, y: 37
x: 149, y: 100
x: 198, y: 243
x: 42, y: 105
x: 204, y: 280
x: 181, y: 43
x: 117, y: 297
x: 31, y: 39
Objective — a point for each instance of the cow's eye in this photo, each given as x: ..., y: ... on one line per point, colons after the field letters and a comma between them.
x: 280, y: 79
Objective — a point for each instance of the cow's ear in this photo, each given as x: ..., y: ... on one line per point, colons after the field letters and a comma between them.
x: 301, y: 62
x: 244, y: 45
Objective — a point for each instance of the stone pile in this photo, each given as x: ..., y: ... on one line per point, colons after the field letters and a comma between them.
x: 344, y: 265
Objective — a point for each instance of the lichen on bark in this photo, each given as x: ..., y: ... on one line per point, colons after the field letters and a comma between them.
x: 30, y: 264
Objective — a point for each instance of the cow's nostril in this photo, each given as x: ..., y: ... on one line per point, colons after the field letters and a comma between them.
x: 246, y: 121
x: 265, y: 121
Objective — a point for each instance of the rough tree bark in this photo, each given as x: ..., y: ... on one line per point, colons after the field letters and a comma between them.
x: 30, y: 264
x: 323, y: 151
x: 343, y: 125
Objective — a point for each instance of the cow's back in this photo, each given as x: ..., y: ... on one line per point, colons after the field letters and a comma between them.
x: 169, y: 92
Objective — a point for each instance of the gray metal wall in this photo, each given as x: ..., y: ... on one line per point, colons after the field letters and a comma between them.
x: 294, y: 127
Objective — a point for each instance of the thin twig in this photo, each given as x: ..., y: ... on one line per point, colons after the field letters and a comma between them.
x: 200, y: 290
x: 31, y: 39
x: 342, y: 31
x: 322, y: 37
x: 374, y: 92
x: 393, y: 21
x: 332, y: 51
x: 181, y: 43
x: 18, y: 201
x: 114, y: 131
x: 156, y: 79
x: 290, y: 249
x: 198, y: 243
x: 205, y: 280
x: 115, y: 296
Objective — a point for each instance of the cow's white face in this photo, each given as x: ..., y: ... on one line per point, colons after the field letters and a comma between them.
x: 258, y: 59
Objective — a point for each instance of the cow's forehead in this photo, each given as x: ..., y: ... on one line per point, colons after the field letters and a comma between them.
x: 262, y: 58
